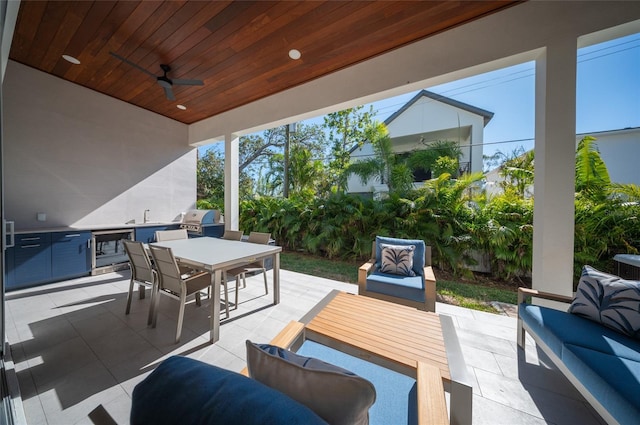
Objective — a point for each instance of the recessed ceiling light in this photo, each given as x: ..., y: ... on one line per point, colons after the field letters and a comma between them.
x: 294, y: 54
x: 71, y: 59
x: 184, y: 108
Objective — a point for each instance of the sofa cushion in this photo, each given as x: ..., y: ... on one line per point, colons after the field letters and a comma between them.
x: 613, y: 381
x: 396, y: 400
x: 411, y: 288
x: 397, y: 259
x: 557, y: 327
x: 609, y: 300
x: 335, y: 394
x: 186, y: 391
x: 418, y: 257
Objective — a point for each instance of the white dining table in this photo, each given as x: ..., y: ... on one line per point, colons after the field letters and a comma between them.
x: 216, y: 255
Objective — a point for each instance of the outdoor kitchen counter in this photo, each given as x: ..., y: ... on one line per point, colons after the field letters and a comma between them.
x: 93, y: 227
x: 37, y: 256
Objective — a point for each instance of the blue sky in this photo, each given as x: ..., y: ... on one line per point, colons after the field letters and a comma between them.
x: 608, y: 95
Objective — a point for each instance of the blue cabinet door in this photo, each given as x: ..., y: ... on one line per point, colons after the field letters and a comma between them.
x: 9, y: 275
x: 31, y: 259
x: 70, y: 254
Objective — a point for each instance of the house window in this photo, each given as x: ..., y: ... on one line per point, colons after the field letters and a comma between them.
x: 421, y: 175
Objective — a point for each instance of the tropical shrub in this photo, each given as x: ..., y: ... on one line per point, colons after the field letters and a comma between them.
x: 455, y: 218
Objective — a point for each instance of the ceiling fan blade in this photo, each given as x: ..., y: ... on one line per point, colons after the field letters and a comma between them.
x: 132, y: 64
x: 169, y: 93
x: 182, y: 82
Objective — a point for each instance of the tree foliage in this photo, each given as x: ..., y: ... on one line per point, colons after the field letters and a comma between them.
x: 426, y: 158
x: 346, y: 129
x: 517, y: 172
x: 592, y: 176
x: 210, y: 175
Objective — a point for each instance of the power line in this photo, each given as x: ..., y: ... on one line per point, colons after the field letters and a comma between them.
x: 450, y: 92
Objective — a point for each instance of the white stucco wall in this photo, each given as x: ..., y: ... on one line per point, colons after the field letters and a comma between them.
x: 428, y: 115
x: 354, y: 183
x: 620, y: 151
x: 84, y: 158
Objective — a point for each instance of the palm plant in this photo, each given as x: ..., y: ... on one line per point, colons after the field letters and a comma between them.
x: 517, y: 172
x: 592, y: 176
x: 427, y: 159
x: 450, y: 203
x: 507, y: 234
x: 384, y: 165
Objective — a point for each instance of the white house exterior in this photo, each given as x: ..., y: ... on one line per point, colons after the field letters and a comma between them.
x: 619, y: 149
x: 429, y: 117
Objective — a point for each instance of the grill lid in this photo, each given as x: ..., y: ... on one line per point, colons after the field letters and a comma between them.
x: 201, y: 217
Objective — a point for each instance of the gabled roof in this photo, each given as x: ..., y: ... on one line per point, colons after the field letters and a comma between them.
x: 455, y: 103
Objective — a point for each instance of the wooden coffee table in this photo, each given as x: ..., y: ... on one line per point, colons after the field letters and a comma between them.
x: 395, y: 337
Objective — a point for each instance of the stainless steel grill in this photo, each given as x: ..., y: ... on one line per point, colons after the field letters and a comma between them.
x: 203, y: 223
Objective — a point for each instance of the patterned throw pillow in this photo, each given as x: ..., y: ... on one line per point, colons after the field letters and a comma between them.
x: 609, y: 300
x: 397, y: 259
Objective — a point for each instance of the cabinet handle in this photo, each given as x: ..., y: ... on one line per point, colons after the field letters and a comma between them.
x: 74, y: 235
x: 31, y: 239
x: 30, y: 246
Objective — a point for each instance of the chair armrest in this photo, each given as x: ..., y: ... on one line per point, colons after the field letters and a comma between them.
x: 429, y: 274
x: 525, y: 294
x: 429, y: 289
x: 99, y: 416
x: 363, y: 272
x: 432, y: 405
x: 288, y: 335
x: 285, y: 338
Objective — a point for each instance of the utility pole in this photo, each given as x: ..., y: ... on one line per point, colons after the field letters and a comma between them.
x: 285, y: 192
x: 290, y: 128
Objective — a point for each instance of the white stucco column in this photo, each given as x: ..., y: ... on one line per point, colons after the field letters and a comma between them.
x: 231, y: 182
x: 554, y: 184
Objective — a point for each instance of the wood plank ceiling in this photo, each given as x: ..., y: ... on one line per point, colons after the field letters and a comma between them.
x: 239, y: 49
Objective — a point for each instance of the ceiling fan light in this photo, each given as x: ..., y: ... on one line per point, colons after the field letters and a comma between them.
x: 295, y: 54
x: 71, y: 59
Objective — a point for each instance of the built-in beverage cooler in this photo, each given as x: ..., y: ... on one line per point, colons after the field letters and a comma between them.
x: 107, y: 249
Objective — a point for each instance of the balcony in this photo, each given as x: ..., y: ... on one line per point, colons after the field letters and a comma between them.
x: 74, y: 349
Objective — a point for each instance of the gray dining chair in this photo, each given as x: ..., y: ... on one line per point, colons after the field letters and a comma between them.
x: 256, y: 266
x: 233, y: 235
x: 142, y: 274
x: 171, y: 235
x: 177, y: 285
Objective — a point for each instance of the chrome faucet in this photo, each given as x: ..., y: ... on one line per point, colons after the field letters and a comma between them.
x: 146, y: 215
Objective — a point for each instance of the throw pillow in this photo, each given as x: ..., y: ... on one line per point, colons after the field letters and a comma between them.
x: 609, y: 300
x: 397, y: 259
x: 335, y: 394
x: 418, y: 257
x: 187, y: 391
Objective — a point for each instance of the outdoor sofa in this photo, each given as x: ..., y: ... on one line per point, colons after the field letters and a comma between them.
x: 595, y: 344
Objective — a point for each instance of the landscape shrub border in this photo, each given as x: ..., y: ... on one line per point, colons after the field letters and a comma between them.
x: 448, y: 217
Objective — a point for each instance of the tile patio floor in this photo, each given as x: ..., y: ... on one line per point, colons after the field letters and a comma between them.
x: 74, y: 348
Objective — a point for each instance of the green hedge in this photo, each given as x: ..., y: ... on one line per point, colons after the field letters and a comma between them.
x: 449, y: 218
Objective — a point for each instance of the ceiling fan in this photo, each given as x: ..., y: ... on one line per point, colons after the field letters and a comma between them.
x: 163, y: 81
